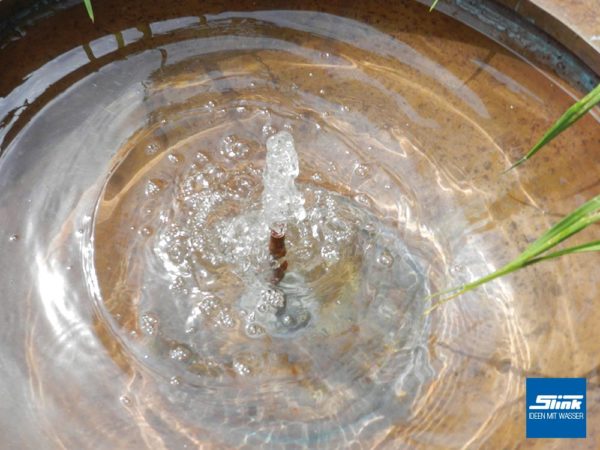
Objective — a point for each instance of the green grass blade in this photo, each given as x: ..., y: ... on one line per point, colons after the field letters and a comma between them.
x: 571, y: 224
x: 432, y: 7
x: 573, y: 114
x: 588, y: 247
x: 88, y: 7
x: 579, y: 219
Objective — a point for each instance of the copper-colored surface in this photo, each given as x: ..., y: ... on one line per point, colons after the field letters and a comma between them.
x: 574, y: 23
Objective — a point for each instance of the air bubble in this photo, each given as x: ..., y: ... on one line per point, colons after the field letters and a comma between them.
x: 268, y: 130
x: 361, y: 170
x: 241, y: 368
x: 385, y: 258
x: 330, y: 253
x: 126, y: 401
x: 154, y: 186
x: 181, y: 353
x: 13, y: 238
x: 149, y: 324
x: 174, y: 381
x: 174, y: 159
x: 288, y: 320
x: 363, y: 199
x: 224, y: 319
x: 254, y: 330
x: 273, y: 297
x: 151, y: 149
x: 231, y: 147
x: 146, y: 231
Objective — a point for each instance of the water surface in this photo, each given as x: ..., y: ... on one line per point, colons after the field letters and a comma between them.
x: 129, y: 157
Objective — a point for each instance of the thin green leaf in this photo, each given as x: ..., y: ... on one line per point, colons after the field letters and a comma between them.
x: 583, y: 248
x: 583, y: 216
x: 579, y: 219
x: 88, y: 7
x: 432, y: 7
x: 573, y: 114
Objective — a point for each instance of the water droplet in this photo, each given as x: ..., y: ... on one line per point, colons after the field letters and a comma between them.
x: 322, y: 91
x: 385, y: 258
x: 175, y: 381
x: 317, y: 177
x: 210, y: 105
x: 13, y: 238
x: 181, y: 353
x: 149, y: 323
x: 125, y: 400
x: 310, y: 74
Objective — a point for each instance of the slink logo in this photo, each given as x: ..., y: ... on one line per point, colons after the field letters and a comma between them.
x: 568, y: 402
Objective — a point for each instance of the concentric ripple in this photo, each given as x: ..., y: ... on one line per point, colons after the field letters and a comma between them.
x: 177, y: 243
x: 143, y: 273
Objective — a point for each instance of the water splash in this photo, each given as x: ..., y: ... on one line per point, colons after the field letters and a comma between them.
x: 281, y: 200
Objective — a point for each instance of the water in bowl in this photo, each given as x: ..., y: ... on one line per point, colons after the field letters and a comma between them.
x: 145, y: 304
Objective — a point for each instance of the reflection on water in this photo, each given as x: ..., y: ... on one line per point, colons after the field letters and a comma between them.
x: 129, y: 187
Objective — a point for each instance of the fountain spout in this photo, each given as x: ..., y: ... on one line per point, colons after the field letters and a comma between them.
x: 281, y: 200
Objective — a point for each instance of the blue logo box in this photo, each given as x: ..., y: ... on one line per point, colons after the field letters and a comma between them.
x: 556, y: 407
